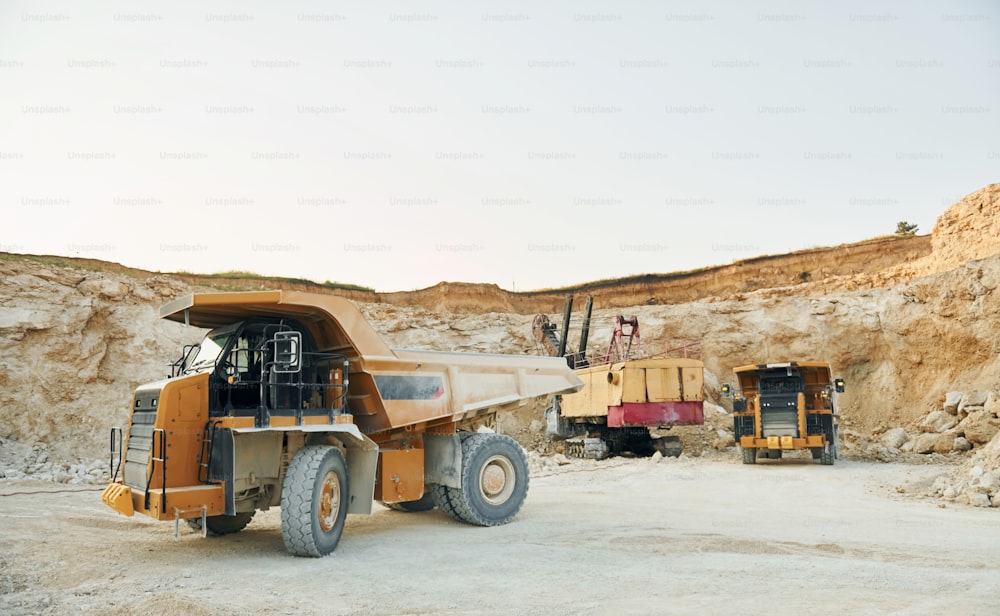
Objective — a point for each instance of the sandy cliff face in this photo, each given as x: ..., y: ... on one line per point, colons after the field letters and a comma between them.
x: 74, y: 343
x: 73, y: 346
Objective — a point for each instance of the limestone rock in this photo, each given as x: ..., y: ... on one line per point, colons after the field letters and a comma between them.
x: 973, y: 398
x: 110, y: 289
x: 938, y: 421
x: 979, y: 427
x: 961, y: 444
x: 992, y: 405
x: 924, y: 443
x: 966, y: 410
x: 945, y: 442
x: 989, y: 482
x: 978, y: 499
x: 895, y: 438
x: 952, y: 400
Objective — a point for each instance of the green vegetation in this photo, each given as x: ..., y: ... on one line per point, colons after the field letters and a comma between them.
x: 242, y: 275
x: 905, y: 228
x: 50, y: 261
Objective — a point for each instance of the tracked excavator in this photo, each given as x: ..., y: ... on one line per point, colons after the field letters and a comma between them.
x: 626, y: 392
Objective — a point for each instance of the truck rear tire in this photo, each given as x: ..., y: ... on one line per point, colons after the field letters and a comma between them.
x: 424, y: 503
x: 749, y: 455
x: 826, y: 457
x: 219, y: 525
x: 314, y: 501
x: 494, y: 481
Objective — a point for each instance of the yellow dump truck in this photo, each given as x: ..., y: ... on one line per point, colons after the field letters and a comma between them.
x: 293, y: 400
x: 783, y: 406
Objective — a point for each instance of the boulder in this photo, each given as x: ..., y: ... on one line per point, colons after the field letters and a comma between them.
x: 989, y: 482
x: 966, y: 410
x: 978, y: 499
x: 924, y: 443
x: 894, y: 439
x: 951, y: 401
x: 979, y: 427
x: 945, y: 442
x: 938, y: 421
x: 992, y: 405
x: 973, y: 398
x: 961, y: 444
x: 110, y: 289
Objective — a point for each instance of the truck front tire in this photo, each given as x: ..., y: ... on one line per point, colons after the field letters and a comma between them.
x: 494, y: 481
x: 314, y: 501
x: 826, y: 455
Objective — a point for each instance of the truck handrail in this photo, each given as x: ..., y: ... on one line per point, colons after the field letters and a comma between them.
x: 162, y: 459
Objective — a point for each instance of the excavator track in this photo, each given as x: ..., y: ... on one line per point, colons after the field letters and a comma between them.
x: 588, y: 448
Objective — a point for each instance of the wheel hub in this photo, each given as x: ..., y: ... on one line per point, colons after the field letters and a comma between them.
x: 496, y: 480
x: 329, y: 501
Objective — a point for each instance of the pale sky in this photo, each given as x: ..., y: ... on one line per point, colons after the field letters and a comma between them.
x: 399, y: 144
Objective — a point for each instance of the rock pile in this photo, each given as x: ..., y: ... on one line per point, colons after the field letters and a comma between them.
x: 976, y: 482
x: 21, y: 461
x: 966, y: 421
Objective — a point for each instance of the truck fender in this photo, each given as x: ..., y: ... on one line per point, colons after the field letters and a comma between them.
x: 443, y: 460
x: 361, y: 455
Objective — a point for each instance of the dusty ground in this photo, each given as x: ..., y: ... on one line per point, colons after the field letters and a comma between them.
x: 705, y: 535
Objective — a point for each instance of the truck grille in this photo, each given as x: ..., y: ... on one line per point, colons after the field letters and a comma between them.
x: 140, y: 440
x: 779, y: 415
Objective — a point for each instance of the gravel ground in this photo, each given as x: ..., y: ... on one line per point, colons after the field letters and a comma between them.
x: 705, y: 535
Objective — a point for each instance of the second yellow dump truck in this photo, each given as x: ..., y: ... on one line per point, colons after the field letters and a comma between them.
x: 784, y: 406
x: 293, y: 400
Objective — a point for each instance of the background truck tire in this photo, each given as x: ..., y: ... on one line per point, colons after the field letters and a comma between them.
x: 314, y: 501
x: 749, y: 455
x: 494, y: 481
x: 223, y: 524
x: 827, y: 455
x: 424, y: 503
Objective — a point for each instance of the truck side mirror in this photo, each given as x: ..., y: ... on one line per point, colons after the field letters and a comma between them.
x: 727, y: 391
x: 838, y: 385
x: 287, y: 352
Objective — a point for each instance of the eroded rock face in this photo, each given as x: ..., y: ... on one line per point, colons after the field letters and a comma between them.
x: 73, y: 347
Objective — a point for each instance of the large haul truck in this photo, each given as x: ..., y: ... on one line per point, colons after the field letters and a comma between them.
x: 784, y: 406
x: 293, y: 400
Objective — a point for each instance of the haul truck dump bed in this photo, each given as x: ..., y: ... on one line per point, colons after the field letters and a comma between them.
x: 293, y: 400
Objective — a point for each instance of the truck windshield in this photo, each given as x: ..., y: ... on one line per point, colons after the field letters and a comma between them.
x: 211, y: 346
x: 786, y: 385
